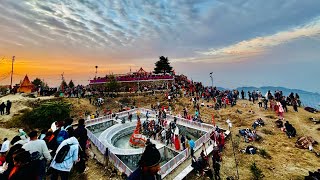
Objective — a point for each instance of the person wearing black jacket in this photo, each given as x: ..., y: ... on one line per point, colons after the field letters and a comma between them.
x: 22, y: 166
x: 81, y: 134
x: 68, y: 126
x: 149, y: 165
x: 2, y: 107
x: 8, y: 107
x: 284, y: 104
x: 242, y: 94
x: 290, y: 130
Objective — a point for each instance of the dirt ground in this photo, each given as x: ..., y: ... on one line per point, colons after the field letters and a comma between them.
x: 287, y: 162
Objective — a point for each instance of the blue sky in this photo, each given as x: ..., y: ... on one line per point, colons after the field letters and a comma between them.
x: 243, y: 42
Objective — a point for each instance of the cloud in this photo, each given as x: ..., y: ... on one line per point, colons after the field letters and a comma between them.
x: 262, y: 44
x: 132, y: 29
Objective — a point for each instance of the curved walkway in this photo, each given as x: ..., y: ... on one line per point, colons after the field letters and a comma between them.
x: 108, y: 134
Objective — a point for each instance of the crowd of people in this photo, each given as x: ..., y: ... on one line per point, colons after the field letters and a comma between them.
x: 201, y: 164
x: 52, y: 153
x: 167, y: 132
x: 133, y: 77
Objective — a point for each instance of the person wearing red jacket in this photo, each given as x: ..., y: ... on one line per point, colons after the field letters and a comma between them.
x: 221, y: 140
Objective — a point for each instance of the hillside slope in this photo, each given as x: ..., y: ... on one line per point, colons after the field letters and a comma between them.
x: 288, y: 162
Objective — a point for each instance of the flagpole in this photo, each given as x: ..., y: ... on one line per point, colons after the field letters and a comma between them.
x: 234, y: 153
x: 12, y: 71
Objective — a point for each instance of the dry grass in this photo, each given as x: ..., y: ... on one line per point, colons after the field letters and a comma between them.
x: 287, y: 162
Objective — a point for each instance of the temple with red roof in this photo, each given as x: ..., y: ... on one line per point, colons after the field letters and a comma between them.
x: 132, y: 80
x: 26, y: 86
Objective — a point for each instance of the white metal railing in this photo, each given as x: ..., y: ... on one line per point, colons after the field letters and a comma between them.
x: 98, y: 120
x: 112, y: 157
x: 173, y: 163
x: 119, y: 164
x: 177, y: 160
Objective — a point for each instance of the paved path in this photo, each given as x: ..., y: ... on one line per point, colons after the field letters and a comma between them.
x: 184, y: 164
x: 188, y: 169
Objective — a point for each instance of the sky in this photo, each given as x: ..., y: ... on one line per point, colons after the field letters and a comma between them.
x: 243, y: 42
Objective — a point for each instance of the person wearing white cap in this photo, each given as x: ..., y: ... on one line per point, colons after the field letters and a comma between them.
x: 5, y: 146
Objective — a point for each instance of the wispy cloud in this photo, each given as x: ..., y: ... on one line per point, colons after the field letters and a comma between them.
x: 261, y: 44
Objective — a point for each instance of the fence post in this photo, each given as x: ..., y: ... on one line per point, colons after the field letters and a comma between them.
x: 106, y: 157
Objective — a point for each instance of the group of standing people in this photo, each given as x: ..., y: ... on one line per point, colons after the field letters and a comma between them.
x: 202, y: 165
x: 5, y: 108
x: 54, y: 151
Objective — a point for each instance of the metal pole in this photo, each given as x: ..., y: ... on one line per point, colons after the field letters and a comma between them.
x: 234, y: 153
x: 211, y: 79
x: 12, y: 71
x: 96, y: 71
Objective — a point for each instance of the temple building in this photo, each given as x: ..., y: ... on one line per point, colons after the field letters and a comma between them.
x: 134, y: 81
x: 25, y: 86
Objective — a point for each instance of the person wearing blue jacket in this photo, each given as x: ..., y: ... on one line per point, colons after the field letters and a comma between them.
x: 192, y: 145
x: 63, y: 169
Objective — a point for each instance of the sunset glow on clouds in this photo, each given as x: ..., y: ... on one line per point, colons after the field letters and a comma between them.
x: 49, y: 37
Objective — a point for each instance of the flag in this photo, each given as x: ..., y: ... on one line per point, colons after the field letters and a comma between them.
x: 213, y: 122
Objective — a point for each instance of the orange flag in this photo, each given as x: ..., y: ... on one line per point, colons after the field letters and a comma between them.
x: 213, y: 122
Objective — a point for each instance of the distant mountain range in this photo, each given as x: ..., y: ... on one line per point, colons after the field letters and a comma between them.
x: 307, y: 98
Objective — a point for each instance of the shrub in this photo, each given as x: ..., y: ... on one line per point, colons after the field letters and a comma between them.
x: 256, y: 172
x: 270, y: 116
x: 44, y: 115
x: 264, y: 154
x: 266, y: 131
x: 125, y: 101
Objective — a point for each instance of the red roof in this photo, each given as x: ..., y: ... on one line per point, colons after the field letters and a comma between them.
x: 26, y: 82
x: 141, y: 71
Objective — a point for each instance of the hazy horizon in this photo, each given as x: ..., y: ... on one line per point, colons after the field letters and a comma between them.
x: 244, y: 43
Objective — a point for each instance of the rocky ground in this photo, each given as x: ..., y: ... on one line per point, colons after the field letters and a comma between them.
x: 287, y: 161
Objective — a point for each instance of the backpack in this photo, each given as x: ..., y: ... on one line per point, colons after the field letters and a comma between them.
x: 35, y: 156
x: 63, y: 134
x: 62, y: 153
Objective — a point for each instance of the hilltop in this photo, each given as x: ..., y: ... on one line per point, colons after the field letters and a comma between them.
x: 287, y: 161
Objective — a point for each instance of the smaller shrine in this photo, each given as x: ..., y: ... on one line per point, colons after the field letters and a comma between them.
x: 26, y: 86
x: 136, y: 139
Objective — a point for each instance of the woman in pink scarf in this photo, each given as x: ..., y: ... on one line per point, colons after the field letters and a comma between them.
x: 280, y: 110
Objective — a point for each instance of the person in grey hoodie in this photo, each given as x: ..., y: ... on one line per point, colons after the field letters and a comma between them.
x: 63, y: 169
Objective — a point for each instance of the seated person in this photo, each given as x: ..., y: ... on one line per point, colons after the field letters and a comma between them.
x: 242, y: 132
x: 305, y: 142
x: 258, y: 122
x: 290, y: 130
x: 249, y: 150
x: 315, y: 121
x: 249, y: 136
